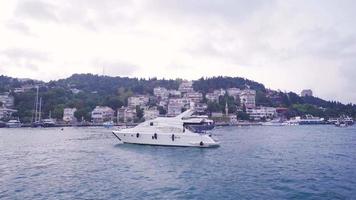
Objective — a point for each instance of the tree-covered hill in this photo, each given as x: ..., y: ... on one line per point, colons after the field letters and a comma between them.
x: 92, y: 90
x: 206, y: 85
x: 110, y: 85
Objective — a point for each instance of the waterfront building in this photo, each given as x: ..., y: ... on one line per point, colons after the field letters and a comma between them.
x: 6, y: 112
x: 150, y: 113
x: 248, y: 98
x: 161, y: 92
x: 138, y: 100
x: 175, y: 106
x: 307, y: 93
x: 186, y: 86
x: 163, y: 103
x: 7, y: 100
x: 126, y: 114
x: 175, y: 93
x: 262, y: 112
x: 24, y: 88
x: 212, y: 97
x: 200, y: 107
x: 217, y: 114
x: 68, y: 115
x: 195, y: 97
x: 102, y: 113
x: 234, y: 92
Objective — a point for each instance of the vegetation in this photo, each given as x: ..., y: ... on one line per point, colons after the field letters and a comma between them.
x: 93, y: 90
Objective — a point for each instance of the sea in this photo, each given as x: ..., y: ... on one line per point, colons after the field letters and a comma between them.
x: 289, y: 162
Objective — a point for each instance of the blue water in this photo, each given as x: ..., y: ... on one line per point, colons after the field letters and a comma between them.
x: 299, y: 162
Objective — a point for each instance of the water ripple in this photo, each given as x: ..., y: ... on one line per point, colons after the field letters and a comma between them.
x: 317, y: 162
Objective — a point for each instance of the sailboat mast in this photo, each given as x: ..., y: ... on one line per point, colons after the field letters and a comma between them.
x: 40, y: 111
x: 36, y: 103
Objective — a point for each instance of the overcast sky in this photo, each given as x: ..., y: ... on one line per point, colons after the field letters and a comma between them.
x: 284, y: 44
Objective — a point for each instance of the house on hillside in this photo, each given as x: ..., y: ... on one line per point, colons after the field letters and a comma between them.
x: 102, y: 114
x: 68, y: 115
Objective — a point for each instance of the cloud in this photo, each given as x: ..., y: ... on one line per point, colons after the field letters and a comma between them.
x: 115, y: 67
x: 21, y: 60
x: 19, y: 27
x: 37, y: 9
x: 288, y: 45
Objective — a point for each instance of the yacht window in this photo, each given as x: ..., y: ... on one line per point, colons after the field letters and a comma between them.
x: 151, y: 124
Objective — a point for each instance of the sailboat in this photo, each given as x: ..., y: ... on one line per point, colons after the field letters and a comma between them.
x: 37, y: 121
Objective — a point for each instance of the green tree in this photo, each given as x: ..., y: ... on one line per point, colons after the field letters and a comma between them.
x: 83, y: 113
x: 161, y: 110
x: 139, y: 112
x: 242, y: 116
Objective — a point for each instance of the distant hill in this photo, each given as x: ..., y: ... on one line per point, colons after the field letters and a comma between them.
x: 85, y: 91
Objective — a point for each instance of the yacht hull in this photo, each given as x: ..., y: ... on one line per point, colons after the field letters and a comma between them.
x: 166, y: 139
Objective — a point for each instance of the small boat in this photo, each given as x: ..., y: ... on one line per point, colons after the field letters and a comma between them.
x: 49, y: 122
x: 311, y: 120
x: 341, y: 123
x: 14, y: 123
x: 166, y: 131
x: 275, y: 122
x: 348, y: 120
x: 108, y: 124
x: 37, y: 124
x: 293, y: 121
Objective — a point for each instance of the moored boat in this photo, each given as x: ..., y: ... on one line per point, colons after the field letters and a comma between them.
x: 14, y: 123
x: 49, y: 122
x: 311, y: 120
x: 108, y: 124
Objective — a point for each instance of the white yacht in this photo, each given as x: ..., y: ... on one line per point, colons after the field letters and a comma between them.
x: 167, y: 132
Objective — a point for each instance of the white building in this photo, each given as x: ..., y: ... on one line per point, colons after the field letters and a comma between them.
x: 186, y: 86
x: 24, y: 88
x: 217, y: 114
x: 68, y: 115
x: 161, y: 92
x: 139, y: 100
x: 175, y: 93
x: 212, y: 97
x: 75, y: 91
x: 220, y: 92
x: 306, y: 93
x: 175, y: 106
x: 248, y: 98
x: 101, y: 114
x: 6, y: 112
x: 126, y: 114
x: 195, y: 97
x: 262, y: 112
x: 150, y: 113
x: 200, y: 107
x: 7, y: 100
x: 234, y: 92
x: 163, y: 103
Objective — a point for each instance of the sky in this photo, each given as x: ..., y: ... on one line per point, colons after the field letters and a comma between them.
x: 285, y: 44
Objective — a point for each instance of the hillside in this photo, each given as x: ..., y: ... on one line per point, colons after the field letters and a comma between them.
x: 85, y: 91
